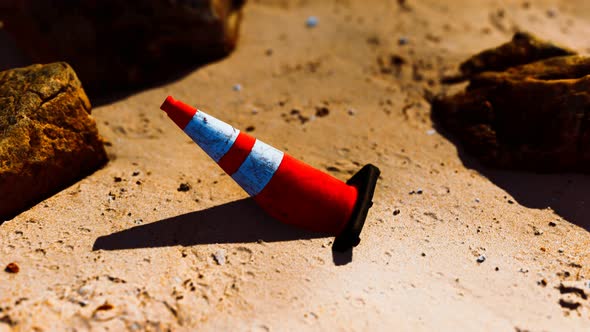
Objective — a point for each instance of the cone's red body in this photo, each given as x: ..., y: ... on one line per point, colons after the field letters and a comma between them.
x: 301, y: 195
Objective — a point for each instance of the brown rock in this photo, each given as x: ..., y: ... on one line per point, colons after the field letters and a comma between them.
x: 534, y: 117
x: 12, y: 268
x: 523, y: 48
x: 47, y: 137
x: 114, y: 44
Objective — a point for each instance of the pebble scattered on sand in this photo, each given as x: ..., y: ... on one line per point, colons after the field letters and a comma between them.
x: 430, y: 132
x: 237, y: 87
x: 85, y: 290
x: 481, y: 258
x: 219, y: 256
x: 184, y: 187
x: 396, y: 212
x: 311, y: 22
x: 322, y: 111
x: 12, y: 268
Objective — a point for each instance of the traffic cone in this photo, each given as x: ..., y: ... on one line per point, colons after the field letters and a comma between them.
x: 286, y: 188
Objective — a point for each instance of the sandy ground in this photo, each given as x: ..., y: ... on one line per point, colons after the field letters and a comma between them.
x: 138, y: 253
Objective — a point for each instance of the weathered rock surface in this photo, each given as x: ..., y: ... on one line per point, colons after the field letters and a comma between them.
x: 47, y: 137
x: 522, y: 49
x: 115, y: 44
x: 534, y: 116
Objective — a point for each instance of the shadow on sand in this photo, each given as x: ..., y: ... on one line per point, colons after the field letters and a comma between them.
x: 568, y: 194
x: 103, y: 94
x: 240, y: 221
x: 10, y: 56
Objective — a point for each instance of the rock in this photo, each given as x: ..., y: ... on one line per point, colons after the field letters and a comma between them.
x: 47, y: 138
x: 534, y: 116
x: 523, y: 48
x: 124, y: 44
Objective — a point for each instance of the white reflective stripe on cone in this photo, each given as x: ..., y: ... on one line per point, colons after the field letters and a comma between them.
x: 258, y: 168
x: 214, y: 136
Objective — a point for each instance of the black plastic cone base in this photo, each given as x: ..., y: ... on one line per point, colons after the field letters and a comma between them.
x: 365, y: 181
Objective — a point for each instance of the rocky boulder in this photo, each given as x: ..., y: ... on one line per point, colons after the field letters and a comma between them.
x: 47, y: 138
x: 534, y: 116
x: 124, y: 44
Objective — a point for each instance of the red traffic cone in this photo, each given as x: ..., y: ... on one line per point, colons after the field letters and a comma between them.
x: 286, y: 188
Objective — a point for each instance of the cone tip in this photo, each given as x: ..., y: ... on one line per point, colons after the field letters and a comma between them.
x: 178, y: 111
x: 168, y: 104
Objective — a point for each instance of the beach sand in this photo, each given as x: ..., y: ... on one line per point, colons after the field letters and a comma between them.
x: 125, y: 249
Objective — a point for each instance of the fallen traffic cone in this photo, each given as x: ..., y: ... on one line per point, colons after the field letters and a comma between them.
x: 286, y: 188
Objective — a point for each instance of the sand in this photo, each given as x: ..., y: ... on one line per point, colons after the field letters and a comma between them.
x: 136, y: 253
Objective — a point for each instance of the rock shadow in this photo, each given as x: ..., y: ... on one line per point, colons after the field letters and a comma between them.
x: 11, y: 56
x: 176, y: 71
x: 568, y: 194
x: 99, y: 94
x: 240, y: 221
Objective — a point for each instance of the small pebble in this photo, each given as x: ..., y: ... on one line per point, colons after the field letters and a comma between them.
x: 219, y: 256
x: 552, y: 224
x: 396, y: 212
x: 311, y: 22
x: 322, y: 111
x: 477, y: 200
x: 184, y: 187
x: 104, y: 307
x: 481, y: 258
x: 430, y: 132
x: 12, y: 268
x: 351, y: 111
x: 85, y: 290
x: 237, y: 87
x: 117, y: 179
x: 402, y: 41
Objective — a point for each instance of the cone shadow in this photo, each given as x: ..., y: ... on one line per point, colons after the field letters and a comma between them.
x: 240, y: 221
x: 342, y: 258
